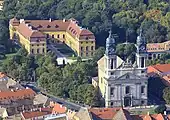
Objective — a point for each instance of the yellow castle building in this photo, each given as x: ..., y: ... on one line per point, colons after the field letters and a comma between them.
x: 33, y: 35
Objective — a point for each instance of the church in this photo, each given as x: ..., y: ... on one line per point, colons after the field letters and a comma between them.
x: 122, y: 83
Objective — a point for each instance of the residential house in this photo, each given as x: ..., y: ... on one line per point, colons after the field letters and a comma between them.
x: 38, y: 114
x: 114, y: 114
x: 32, y: 34
x: 7, y: 83
x: 16, y: 101
x: 3, y: 113
x: 155, y: 50
x: 41, y: 100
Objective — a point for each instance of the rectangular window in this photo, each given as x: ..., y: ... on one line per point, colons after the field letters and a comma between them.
x: 58, y: 36
x: 111, y: 63
x: 112, y: 91
x: 38, y: 51
x: 91, y: 47
x: 63, y: 36
x: 142, y: 89
x: 52, y: 36
x: 111, y: 104
x: 142, y: 62
x: 87, y: 48
x: 81, y: 48
x: 32, y: 51
x: 43, y: 50
x: 37, y: 44
x: 87, y: 53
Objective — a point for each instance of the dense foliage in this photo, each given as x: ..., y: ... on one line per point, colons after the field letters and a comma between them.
x: 124, y: 16
x: 166, y: 95
x: 72, y: 81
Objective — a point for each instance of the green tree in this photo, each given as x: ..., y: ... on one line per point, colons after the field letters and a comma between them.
x: 166, y: 95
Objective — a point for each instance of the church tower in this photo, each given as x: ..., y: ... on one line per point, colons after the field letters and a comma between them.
x: 141, y: 53
x: 110, y: 54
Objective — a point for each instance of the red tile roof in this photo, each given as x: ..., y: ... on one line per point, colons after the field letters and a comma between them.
x: 17, y: 94
x: 71, y: 26
x: 59, y: 108
x: 162, y: 67
x: 148, y: 117
x: 28, y: 32
x: 104, y: 113
x: 38, y: 113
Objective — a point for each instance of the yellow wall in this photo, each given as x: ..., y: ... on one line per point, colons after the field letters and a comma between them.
x: 78, y: 46
x: 74, y: 43
x: 101, y: 81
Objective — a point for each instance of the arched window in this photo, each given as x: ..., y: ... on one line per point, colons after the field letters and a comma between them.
x: 87, y: 48
x: 127, y: 89
x: 38, y: 51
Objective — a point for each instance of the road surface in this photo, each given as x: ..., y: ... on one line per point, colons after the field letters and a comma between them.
x: 64, y: 102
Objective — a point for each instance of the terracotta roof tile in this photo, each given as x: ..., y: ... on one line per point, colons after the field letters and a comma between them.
x: 17, y: 94
x: 38, y: 113
x: 71, y: 26
x: 27, y: 31
x: 162, y: 67
x: 59, y: 108
x: 148, y: 117
x: 104, y: 113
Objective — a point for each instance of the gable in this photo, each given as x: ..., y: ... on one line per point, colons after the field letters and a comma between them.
x: 128, y: 76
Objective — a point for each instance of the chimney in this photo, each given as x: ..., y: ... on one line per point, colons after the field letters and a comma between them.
x: 64, y: 20
x: 148, y: 113
x: 31, y: 110
x: 61, y: 106
x: 21, y: 20
x: 40, y: 109
x: 12, y: 90
x: 164, y: 112
x: 16, y: 88
x: 30, y: 27
x: 50, y: 20
x: 27, y: 87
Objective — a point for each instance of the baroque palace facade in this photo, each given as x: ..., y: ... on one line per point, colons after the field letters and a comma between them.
x: 122, y: 83
x: 33, y: 35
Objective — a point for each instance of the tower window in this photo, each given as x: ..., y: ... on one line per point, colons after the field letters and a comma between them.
x: 142, y: 89
x: 112, y: 91
x: 58, y: 36
x: 111, y: 63
x: 127, y: 90
x: 142, y: 62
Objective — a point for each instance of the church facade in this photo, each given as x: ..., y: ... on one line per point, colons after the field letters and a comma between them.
x: 122, y: 83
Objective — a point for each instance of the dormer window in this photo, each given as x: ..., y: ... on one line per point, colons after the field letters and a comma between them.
x: 39, y: 26
x: 56, y: 26
x: 48, y: 26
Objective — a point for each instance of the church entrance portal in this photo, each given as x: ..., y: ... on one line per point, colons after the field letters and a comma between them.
x: 127, y: 101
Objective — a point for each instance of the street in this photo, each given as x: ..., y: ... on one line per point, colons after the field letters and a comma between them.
x: 66, y: 103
